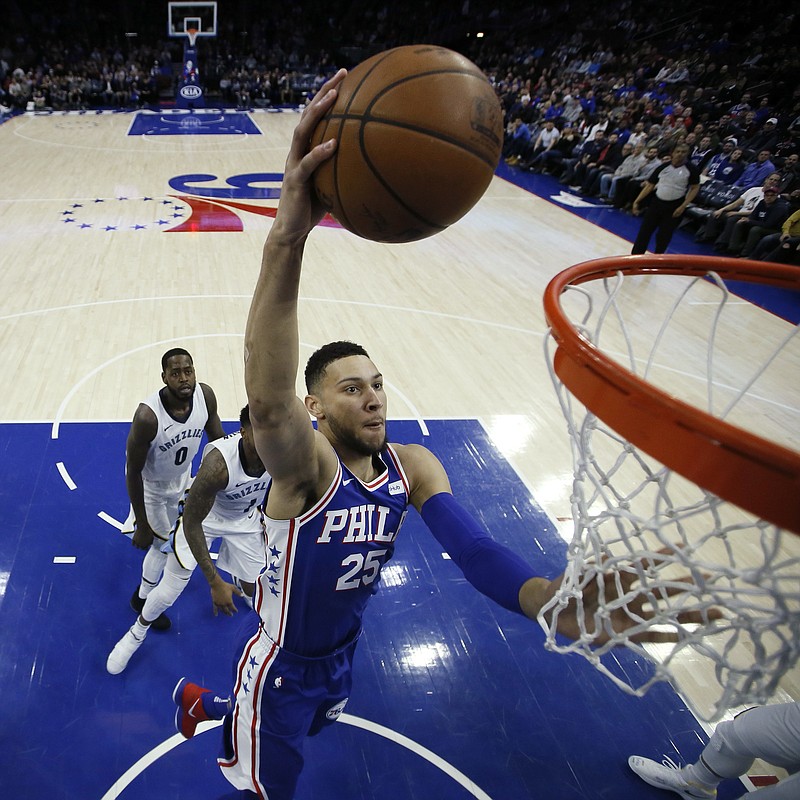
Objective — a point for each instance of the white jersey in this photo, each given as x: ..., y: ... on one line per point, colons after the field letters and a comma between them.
x: 169, y: 459
x: 236, y: 508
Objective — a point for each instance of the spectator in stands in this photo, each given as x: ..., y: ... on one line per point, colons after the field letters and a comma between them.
x: 518, y: 139
x: 594, y: 124
x: 727, y: 165
x: 588, y: 103
x: 719, y: 224
x: 634, y: 160
x: 742, y: 107
x: 765, y: 139
x: 551, y: 161
x: 767, y: 217
x: 546, y: 140
x: 638, y: 135
x: 727, y: 128
x: 679, y: 75
x: 627, y: 190
x: 606, y: 164
x: 701, y: 153
x: 790, y: 174
x: 764, y: 111
x: 779, y: 246
x: 575, y: 168
x: 748, y: 128
x: 19, y: 91
x: 756, y: 171
x: 522, y: 109
x: 572, y: 110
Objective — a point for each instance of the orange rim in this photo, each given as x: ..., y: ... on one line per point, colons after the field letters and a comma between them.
x: 758, y: 475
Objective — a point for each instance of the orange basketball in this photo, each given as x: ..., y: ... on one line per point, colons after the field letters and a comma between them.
x: 419, y: 131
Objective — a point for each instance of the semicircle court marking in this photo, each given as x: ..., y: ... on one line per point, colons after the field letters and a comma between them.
x: 364, y: 304
x: 54, y: 431
x: 136, y: 769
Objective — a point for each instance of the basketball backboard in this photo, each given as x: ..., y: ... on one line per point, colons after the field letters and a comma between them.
x: 197, y: 16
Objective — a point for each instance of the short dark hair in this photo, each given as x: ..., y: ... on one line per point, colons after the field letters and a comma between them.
x: 244, y: 417
x: 176, y: 351
x: 327, y: 354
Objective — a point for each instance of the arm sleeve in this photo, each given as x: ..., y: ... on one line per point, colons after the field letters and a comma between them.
x: 491, y: 568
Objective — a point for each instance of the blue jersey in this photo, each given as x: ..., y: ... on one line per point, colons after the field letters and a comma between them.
x: 323, y: 566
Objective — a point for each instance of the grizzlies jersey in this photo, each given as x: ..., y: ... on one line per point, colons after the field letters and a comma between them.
x: 169, y: 458
x: 323, y: 566
x: 236, y: 508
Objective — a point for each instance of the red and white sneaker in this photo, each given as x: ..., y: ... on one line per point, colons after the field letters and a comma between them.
x: 189, y: 699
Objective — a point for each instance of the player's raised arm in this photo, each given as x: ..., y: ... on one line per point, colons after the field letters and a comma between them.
x: 505, y: 577
x: 283, y: 434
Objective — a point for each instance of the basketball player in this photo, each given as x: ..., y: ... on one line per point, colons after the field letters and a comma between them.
x: 163, y: 439
x: 223, y: 502
x: 338, y: 497
x: 771, y: 733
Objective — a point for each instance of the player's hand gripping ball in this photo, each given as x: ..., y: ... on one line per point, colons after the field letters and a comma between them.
x: 420, y: 131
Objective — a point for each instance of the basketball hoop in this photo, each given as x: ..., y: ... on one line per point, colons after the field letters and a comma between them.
x: 192, y: 34
x: 708, y: 476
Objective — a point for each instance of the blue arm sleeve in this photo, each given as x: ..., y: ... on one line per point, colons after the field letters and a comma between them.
x: 492, y: 569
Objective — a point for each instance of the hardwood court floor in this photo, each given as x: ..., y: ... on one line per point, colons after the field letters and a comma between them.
x: 117, y: 247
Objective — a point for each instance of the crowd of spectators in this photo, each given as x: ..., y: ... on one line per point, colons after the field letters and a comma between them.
x: 601, y: 118
x: 594, y: 92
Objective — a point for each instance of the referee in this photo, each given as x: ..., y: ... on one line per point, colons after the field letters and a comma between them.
x: 676, y: 184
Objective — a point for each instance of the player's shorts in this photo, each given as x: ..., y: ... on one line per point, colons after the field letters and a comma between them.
x: 280, y: 699
x: 162, y: 501
x: 241, y: 553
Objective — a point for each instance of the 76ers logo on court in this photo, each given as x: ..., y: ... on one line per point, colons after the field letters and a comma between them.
x: 201, y: 203
x: 221, y: 208
x: 336, y: 711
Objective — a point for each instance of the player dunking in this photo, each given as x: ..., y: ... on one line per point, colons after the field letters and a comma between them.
x: 163, y: 439
x: 333, y: 513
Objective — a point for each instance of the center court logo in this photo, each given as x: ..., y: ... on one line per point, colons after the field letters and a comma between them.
x: 202, y: 204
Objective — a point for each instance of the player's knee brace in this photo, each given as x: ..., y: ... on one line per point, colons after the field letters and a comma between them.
x: 172, y: 583
x: 153, y: 565
x: 725, y: 754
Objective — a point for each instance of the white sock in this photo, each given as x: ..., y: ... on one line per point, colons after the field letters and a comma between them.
x: 138, y: 630
x: 699, y: 773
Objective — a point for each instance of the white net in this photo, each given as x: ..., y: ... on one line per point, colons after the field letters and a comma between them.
x: 690, y: 551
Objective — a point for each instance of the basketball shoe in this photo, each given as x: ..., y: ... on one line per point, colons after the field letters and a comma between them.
x: 161, y: 623
x: 189, y: 699
x: 669, y: 776
x: 119, y: 657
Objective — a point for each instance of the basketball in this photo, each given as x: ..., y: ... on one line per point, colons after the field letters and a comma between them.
x: 419, y: 131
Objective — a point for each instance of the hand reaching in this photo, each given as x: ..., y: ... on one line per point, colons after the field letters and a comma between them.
x: 222, y: 594
x: 617, y: 602
x: 299, y: 209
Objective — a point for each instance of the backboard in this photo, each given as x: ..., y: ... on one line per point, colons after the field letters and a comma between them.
x: 197, y: 16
